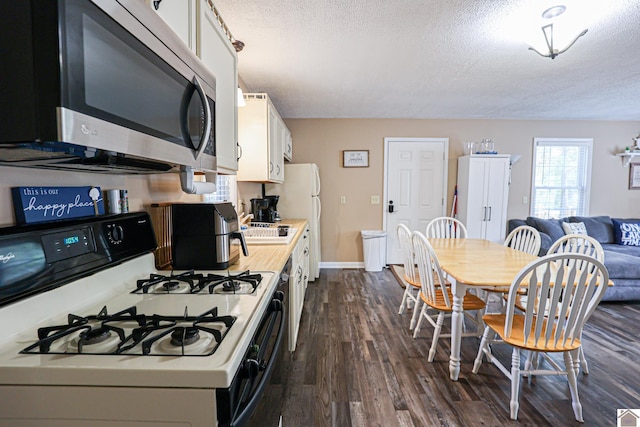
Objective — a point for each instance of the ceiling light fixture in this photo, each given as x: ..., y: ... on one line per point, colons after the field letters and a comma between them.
x: 547, y: 30
x: 554, y: 11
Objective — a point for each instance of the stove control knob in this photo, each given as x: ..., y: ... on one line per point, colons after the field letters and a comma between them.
x: 279, y: 295
x: 116, y: 234
x: 251, y: 368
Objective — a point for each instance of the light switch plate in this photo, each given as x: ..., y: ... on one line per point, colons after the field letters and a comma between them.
x: 375, y: 200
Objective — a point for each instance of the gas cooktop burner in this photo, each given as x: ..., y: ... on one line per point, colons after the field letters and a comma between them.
x: 183, y: 283
x: 193, y: 283
x: 129, y: 333
x: 241, y: 283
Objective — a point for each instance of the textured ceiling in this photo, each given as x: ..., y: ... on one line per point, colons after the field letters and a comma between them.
x: 437, y: 58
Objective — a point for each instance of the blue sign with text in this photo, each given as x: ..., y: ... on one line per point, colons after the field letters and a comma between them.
x: 39, y: 204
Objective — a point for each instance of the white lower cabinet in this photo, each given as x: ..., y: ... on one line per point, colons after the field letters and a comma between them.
x: 297, y: 286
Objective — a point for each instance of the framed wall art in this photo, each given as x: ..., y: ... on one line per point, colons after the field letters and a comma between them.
x: 634, y: 176
x: 355, y: 158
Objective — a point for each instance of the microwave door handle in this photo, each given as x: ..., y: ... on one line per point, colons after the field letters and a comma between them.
x: 207, y: 117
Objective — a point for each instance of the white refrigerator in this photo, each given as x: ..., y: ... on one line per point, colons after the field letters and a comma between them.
x: 300, y: 199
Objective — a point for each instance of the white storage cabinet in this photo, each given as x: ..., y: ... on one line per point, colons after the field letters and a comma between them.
x: 262, y: 135
x: 483, y: 195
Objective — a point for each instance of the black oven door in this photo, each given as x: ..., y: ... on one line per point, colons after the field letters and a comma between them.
x: 238, y: 405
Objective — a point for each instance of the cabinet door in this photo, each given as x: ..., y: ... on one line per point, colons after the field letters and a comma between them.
x: 476, y: 198
x: 305, y: 259
x: 253, y: 135
x: 282, y: 140
x: 496, y: 199
x: 276, y: 159
x: 180, y: 15
x: 217, y: 52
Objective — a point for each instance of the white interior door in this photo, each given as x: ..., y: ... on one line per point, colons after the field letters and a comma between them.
x: 416, y: 183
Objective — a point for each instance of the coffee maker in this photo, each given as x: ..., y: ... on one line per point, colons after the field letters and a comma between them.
x: 273, y: 207
x: 260, y: 210
x: 265, y: 209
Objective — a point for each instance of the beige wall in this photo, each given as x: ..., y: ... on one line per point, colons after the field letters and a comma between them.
x: 322, y: 140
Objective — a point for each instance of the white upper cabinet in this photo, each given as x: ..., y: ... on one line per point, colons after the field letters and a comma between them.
x: 262, y: 135
x: 198, y: 26
x: 181, y: 17
x: 217, y: 52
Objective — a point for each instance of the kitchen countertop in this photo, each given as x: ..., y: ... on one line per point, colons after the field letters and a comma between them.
x: 270, y: 257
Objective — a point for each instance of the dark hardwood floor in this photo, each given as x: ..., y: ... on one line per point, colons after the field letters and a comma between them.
x: 356, y: 364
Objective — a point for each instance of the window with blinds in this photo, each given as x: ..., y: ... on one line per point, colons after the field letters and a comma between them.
x: 561, y: 179
x: 226, y: 190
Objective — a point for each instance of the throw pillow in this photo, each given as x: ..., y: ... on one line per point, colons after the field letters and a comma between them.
x: 627, y: 232
x: 574, y: 228
x: 550, y: 227
x: 598, y: 227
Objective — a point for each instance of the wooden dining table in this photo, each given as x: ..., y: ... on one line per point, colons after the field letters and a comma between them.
x: 474, y: 263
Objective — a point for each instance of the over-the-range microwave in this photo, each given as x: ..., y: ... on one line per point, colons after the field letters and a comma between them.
x: 102, y: 86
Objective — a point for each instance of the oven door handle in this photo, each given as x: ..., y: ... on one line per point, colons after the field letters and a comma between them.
x: 242, y: 417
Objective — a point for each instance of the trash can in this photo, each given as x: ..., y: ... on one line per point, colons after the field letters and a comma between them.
x: 374, y: 243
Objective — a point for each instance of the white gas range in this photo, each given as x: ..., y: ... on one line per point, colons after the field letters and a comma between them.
x: 126, y: 345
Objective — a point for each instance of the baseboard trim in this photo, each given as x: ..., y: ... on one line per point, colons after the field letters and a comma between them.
x: 330, y: 265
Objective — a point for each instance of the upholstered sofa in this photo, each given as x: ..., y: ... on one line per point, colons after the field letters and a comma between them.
x: 620, y: 239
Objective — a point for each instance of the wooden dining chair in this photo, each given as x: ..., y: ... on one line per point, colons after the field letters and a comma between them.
x: 410, y: 278
x: 583, y: 282
x: 446, y: 227
x: 578, y: 244
x: 436, y: 296
x: 524, y: 239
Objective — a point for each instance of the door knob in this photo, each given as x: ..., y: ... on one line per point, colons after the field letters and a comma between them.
x: 391, y: 207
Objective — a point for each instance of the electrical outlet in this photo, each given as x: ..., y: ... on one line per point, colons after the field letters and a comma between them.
x: 375, y: 200
x: 525, y: 200
x: 343, y: 200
